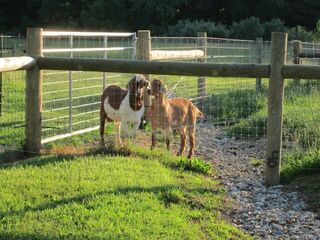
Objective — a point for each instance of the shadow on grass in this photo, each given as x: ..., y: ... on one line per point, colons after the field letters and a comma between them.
x: 15, y: 124
x: 36, y: 161
x: 17, y: 158
x: 181, y: 163
x: 87, y: 197
x: 39, y: 236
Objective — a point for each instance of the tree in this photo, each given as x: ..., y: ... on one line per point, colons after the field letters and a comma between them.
x: 107, y: 15
x: 249, y: 28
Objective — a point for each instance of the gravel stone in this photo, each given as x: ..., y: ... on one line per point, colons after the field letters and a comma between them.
x: 264, y: 212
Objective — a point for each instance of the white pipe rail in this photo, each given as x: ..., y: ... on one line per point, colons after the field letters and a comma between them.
x: 166, y: 55
x: 61, y: 50
x: 16, y: 63
x: 85, y: 34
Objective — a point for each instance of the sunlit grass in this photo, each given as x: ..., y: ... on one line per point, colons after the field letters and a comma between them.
x: 145, y: 195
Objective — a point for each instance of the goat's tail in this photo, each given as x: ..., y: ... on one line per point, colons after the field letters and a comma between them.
x: 199, y: 114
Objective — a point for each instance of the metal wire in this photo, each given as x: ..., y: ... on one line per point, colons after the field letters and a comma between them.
x: 71, y: 99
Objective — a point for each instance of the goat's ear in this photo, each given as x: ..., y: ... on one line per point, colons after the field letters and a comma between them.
x: 147, y: 84
x: 164, y: 89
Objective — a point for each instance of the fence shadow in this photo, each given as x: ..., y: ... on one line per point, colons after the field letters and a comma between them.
x: 87, y: 197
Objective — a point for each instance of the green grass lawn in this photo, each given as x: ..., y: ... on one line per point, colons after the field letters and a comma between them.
x: 142, y: 196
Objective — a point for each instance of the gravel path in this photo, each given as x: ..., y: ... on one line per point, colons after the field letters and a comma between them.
x: 267, y: 213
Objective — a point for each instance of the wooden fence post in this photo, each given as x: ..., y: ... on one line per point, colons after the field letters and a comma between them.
x: 34, y: 94
x: 258, y: 60
x: 275, y: 103
x: 296, y: 57
x: 201, y: 89
x: 144, y: 53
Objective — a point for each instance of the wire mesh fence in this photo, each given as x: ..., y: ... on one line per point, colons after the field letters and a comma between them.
x: 12, y: 115
x: 226, y: 102
x: 71, y: 100
x: 12, y: 46
x: 301, y: 128
x: 12, y: 89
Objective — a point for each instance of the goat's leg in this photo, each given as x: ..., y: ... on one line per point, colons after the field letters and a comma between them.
x: 102, y: 127
x: 135, y: 127
x: 124, y: 131
x: 153, y: 139
x: 191, y: 131
x: 183, y: 141
x: 118, y: 132
x: 167, y: 135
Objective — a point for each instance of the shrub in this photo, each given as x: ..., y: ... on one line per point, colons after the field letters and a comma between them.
x: 194, y: 165
x: 189, y: 28
x: 275, y: 25
x: 254, y: 126
x: 300, y: 33
x: 249, y: 28
x: 300, y: 163
x: 235, y: 105
x: 316, y: 34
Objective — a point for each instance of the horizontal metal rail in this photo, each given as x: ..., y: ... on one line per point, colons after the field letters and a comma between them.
x: 51, y: 139
x: 66, y: 125
x: 62, y: 50
x: 78, y: 80
x: 187, y: 54
x: 65, y: 99
x: 74, y: 89
x: 67, y: 116
x: 73, y: 107
x: 86, y: 34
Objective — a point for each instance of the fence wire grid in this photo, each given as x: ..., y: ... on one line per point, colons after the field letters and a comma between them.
x: 71, y: 100
x: 12, y: 114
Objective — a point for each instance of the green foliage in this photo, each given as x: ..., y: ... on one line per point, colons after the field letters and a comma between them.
x: 195, y: 165
x: 106, y: 15
x: 300, y: 33
x: 253, y: 126
x: 157, y: 15
x: 299, y: 163
x: 235, y: 105
x: 275, y: 25
x: 249, y: 28
x: 187, y: 28
x: 257, y: 162
x: 316, y: 33
x: 301, y: 129
x: 165, y: 157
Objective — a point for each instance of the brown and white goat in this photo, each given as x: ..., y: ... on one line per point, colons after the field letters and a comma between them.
x: 176, y: 113
x: 123, y: 106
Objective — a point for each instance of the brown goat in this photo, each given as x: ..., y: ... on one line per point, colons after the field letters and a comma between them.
x: 176, y: 113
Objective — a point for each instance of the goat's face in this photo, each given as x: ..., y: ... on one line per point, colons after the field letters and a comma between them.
x: 158, y: 87
x: 137, y: 84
